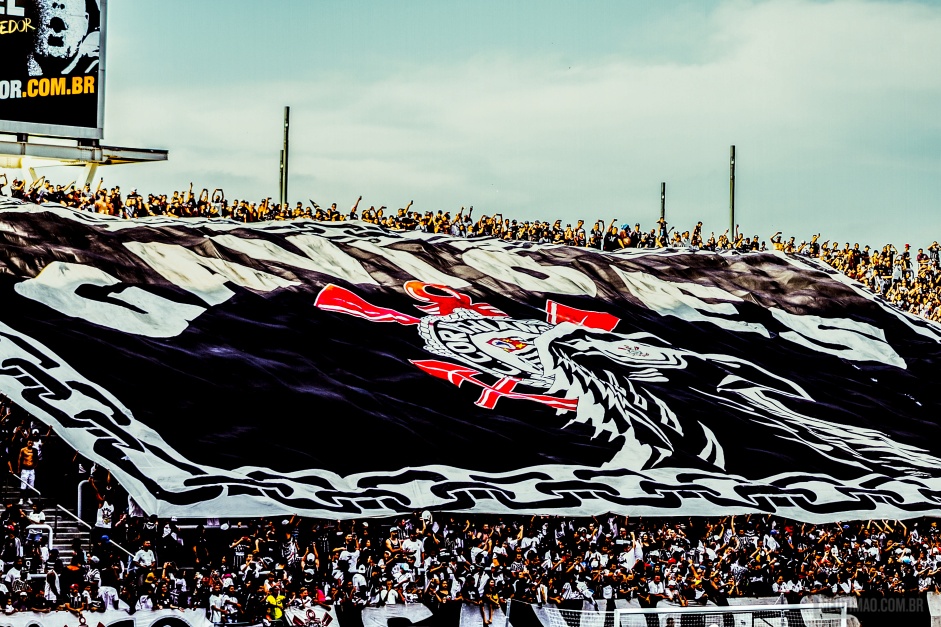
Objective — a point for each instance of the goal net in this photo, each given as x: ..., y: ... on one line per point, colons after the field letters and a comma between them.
x: 808, y: 615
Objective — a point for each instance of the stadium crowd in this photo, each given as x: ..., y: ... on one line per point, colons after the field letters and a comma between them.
x: 245, y: 571
x: 251, y: 570
x: 909, y: 280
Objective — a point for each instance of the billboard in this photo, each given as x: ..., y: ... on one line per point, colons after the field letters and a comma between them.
x: 52, y: 80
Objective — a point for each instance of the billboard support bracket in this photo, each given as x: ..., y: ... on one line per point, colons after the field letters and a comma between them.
x: 25, y: 155
x: 90, y: 170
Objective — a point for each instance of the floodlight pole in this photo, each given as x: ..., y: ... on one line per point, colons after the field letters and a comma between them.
x: 284, y: 155
x: 663, y: 200
x: 732, y: 192
x: 281, y: 179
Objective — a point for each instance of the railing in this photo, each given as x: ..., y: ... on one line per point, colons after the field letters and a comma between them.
x: 60, y: 509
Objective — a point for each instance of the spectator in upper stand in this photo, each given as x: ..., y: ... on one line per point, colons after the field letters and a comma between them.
x: 37, y: 516
x: 144, y: 561
x: 26, y: 467
x: 103, y: 519
x: 274, y: 603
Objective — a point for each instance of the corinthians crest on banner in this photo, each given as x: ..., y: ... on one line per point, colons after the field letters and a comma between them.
x: 343, y: 370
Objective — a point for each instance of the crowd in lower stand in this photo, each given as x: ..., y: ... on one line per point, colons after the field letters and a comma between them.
x: 909, y: 280
x: 250, y: 570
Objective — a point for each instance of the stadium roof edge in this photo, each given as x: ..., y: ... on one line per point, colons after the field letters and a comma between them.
x: 80, y: 155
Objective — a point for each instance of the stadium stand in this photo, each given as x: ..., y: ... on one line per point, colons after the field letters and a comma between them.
x: 248, y: 571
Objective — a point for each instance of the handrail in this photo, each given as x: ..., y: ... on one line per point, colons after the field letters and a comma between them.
x: 78, y: 503
x: 47, y: 528
x: 67, y: 511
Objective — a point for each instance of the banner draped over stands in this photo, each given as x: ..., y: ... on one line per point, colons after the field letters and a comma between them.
x: 340, y: 370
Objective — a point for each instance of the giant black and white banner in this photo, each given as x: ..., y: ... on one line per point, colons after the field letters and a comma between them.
x: 341, y: 370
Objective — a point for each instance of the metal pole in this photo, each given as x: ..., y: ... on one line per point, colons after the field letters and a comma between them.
x: 287, y: 136
x: 732, y: 192
x: 663, y: 200
x: 78, y: 507
x: 281, y: 180
x: 90, y: 170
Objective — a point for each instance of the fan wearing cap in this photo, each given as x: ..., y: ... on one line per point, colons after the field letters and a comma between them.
x: 359, y: 579
x: 274, y: 604
x: 19, y: 597
x: 74, y: 601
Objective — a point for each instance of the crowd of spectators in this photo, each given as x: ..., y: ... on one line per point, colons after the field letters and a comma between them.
x: 251, y: 570
x: 907, y: 279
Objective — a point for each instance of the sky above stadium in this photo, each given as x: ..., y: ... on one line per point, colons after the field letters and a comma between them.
x: 546, y: 109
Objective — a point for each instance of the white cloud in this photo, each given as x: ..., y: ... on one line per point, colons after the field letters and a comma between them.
x: 832, y: 107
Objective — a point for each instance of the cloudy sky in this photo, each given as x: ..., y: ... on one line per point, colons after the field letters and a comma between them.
x: 546, y: 109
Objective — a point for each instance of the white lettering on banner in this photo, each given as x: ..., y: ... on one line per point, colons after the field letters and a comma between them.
x: 528, y: 274
x: 410, y: 613
x: 842, y: 337
x: 421, y: 270
x: 330, y: 259
x: 683, y: 301
x: 856, y: 341
x: 203, y: 276
x: 138, y: 311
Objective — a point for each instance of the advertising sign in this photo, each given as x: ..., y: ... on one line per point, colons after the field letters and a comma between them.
x: 52, y: 80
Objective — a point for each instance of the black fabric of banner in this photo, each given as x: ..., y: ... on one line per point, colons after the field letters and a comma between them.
x: 266, y: 384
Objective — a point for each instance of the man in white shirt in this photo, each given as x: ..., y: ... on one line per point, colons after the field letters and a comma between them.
x: 350, y: 555
x: 37, y: 516
x: 390, y: 595
x: 413, y: 546
x: 631, y: 553
x: 144, y: 560
x: 231, y: 605
x: 216, y: 605
x: 359, y: 579
x: 656, y: 592
x: 14, y: 574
